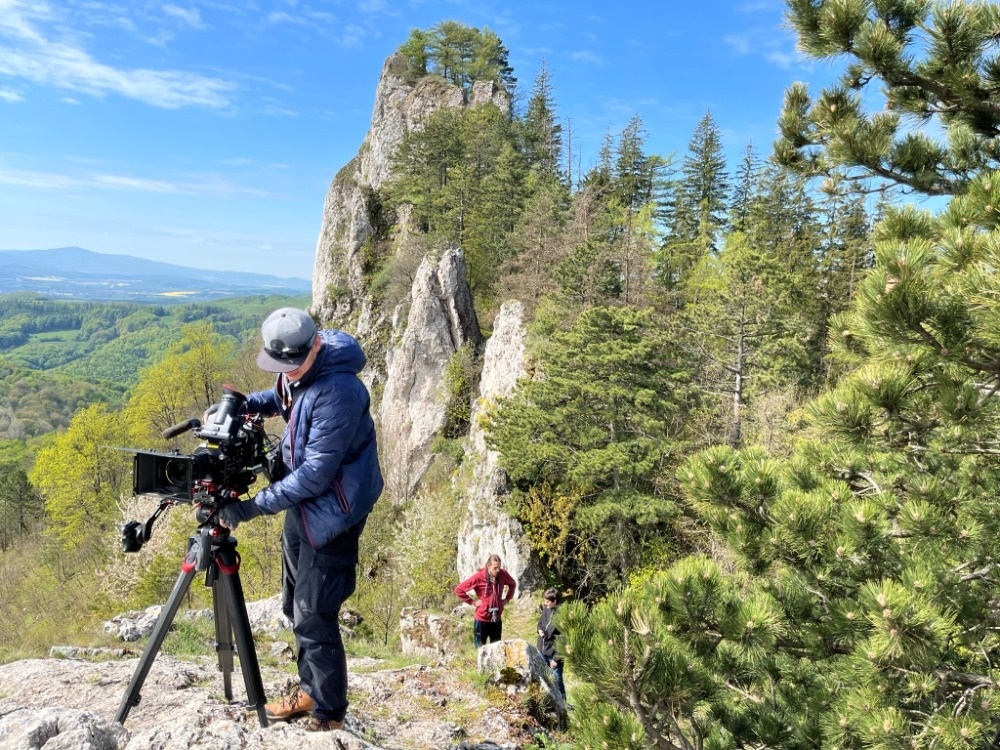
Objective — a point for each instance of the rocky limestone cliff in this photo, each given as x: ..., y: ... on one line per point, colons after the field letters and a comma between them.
x: 486, y: 528
x: 441, y: 320
x: 401, y: 106
x: 422, y: 335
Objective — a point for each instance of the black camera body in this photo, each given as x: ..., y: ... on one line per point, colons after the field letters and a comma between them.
x: 234, y: 449
x: 232, y: 453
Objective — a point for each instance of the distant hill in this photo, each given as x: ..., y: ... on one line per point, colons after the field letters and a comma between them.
x: 75, y: 273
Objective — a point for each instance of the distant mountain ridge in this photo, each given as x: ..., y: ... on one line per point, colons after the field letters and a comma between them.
x: 76, y: 273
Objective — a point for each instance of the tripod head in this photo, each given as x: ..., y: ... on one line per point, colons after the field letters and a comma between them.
x: 136, y: 533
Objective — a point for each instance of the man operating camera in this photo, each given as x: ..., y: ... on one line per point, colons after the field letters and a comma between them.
x: 332, y: 480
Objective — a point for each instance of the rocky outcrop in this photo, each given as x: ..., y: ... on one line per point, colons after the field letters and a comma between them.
x: 413, y: 409
x: 350, y: 212
x: 70, y: 704
x: 486, y: 528
x: 422, y: 632
x: 518, y: 666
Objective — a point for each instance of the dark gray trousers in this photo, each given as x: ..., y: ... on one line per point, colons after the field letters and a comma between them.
x: 314, y: 585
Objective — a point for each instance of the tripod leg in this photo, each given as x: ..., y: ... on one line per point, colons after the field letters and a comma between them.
x: 223, y: 633
x: 229, y: 580
x: 167, y: 614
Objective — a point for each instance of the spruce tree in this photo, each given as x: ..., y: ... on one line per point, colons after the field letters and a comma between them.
x: 600, y: 428
x: 693, y: 206
x: 744, y: 188
x: 542, y: 131
x: 705, y: 187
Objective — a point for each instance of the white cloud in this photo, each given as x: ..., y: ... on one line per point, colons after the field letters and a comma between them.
x: 739, y: 42
x: 190, y: 16
x: 353, y: 36
x: 41, y: 180
x: 11, y: 97
x: 278, y: 111
x: 206, y: 185
x: 776, y: 48
x: 70, y: 100
x: 27, y: 53
x: 134, y: 183
x: 758, y: 6
x: 587, y: 57
x: 279, y: 16
x: 786, y: 60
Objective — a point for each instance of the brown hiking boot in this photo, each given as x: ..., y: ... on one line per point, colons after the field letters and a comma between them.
x: 294, y: 704
x: 323, y: 725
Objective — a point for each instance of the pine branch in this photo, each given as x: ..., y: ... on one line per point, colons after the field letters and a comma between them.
x: 972, y: 680
x: 977, y: 575
x: 749, y: 696
x: 652, y: 730
x: 850, y: 475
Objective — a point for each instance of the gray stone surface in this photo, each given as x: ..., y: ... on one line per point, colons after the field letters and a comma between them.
x: 401, y: 106
x: 413, y: 409
x: 64, y: 704
x: 486, y: 528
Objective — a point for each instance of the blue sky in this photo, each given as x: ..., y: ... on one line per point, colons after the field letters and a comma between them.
x: 206, y: 132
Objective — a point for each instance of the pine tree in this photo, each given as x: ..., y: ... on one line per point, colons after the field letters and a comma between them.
x: 850, y: 596
x: 460, y: 54
x: 741, y: 327
x: 21, y: 507
x: 845, y: 254
x: 935, y: 64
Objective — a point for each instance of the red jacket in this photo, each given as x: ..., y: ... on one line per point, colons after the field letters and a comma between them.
x: 488, y: 593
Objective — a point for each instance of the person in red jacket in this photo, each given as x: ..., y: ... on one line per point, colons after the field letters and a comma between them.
x: 492, y: 588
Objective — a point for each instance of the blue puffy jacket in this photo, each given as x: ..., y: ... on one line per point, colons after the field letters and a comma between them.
x: 335, y: 478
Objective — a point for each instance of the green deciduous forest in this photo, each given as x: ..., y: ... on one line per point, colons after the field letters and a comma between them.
x: 757, y: 448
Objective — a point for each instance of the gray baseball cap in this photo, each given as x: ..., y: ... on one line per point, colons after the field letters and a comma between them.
x: 288, y: 335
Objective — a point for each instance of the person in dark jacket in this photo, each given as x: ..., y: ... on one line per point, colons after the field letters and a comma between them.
x: 332, y: 480
x: 547, y: 633
x: 492, y: 587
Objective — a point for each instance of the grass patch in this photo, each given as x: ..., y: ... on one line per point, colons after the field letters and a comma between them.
x: 190, y: 637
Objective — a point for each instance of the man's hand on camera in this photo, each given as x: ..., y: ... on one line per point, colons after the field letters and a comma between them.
x: 233, y: 514
x: 208, y: 413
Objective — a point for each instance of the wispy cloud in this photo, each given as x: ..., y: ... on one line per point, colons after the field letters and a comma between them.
x: 584, y: 56
x: 27, y: 53
x: 279, y: 17
x: 11, y: 97
x: 190, y: 16
x: 206, y: 185
x: 323, y: 23
x: 776, y: 47
x: 279, y: 111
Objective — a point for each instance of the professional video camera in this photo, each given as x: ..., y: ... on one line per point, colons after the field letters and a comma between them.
x: 234, y: 450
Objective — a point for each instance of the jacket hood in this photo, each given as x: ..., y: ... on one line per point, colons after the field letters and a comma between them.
x: 341, y: 352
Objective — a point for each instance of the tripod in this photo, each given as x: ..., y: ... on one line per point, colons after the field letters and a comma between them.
x: 213, y: 550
